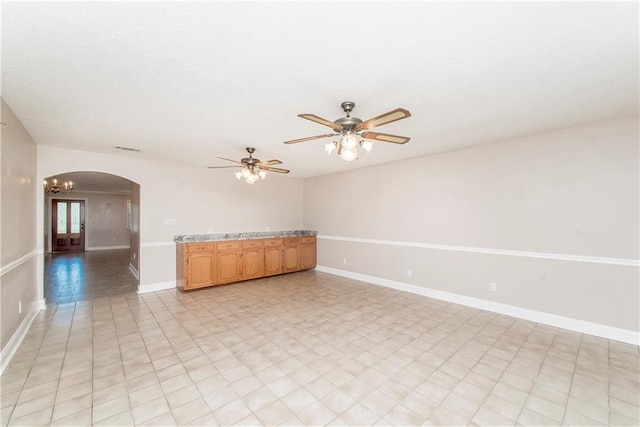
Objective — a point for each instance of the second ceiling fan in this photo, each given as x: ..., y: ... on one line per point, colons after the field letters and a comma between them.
x: 355, y: 132
x: 252, y: 169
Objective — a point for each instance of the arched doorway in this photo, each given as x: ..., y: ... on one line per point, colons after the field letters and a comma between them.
x: 91, y: 236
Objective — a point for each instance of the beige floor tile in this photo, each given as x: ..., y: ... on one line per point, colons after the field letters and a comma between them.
x: 338, y: 401
x: 503, y: 407
x: 81, y: 418
x: 579, y: 420
x: 232, y: 412
x: 110, y: 408
x: 165, y: 419
x: 34, y: 405
x: 150, y: 410
x: 69, y: 407
x: 122, y: 419
x: 358, y: 414
x: 191, y: 411
x: 299, y: 400
x: 250, y: 421
x: 146, y: 394
x: 282, y: 386
x: 274, y: 413
x: 205, y: 420
x: 316, y: 414
x: 485, y: 417
x: 531, y: 418
x: 36, y: 418
x: 400, y: 415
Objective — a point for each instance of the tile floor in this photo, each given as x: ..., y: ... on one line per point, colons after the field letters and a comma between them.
x: 79, y: 276
x: 310, y: 349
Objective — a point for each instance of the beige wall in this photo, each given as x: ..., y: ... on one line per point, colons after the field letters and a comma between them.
x: 105, y: 219
x: 181, y: 199
x: 571, y: 193
x: 19, y: 283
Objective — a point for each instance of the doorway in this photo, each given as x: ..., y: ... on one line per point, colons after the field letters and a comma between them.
x: 67, y: 223
x: 92, y: 238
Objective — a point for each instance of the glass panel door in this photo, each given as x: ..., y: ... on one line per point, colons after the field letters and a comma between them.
x: 67, y: 225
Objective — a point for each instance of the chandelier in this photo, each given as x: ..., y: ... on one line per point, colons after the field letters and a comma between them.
x: 251, y: 174
x: 55, y: 188
x: 347, y: 146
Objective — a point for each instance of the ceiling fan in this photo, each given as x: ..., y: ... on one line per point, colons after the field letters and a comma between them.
x: 252, y: 168
x: 355, y: 132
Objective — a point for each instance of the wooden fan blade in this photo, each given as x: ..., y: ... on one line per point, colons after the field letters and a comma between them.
x: 234, y: 161
x: 295, y: 141
x: 278, y: 170
x: 383, y: 119
x: 222, y: 167
x: 270, y: 162
x: 314, y: 118
x: 385, y: 137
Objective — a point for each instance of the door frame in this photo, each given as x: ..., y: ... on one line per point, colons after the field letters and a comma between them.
x: 48, y: 226
x: 81, y: 246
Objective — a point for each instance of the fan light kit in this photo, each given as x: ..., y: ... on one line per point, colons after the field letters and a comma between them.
x: 55, y: 188
x: 354, y: 132
x: 252, y: 169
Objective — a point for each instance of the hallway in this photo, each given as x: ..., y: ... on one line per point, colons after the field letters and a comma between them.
x: 81, y: 276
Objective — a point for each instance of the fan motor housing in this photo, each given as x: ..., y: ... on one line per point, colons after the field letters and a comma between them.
x: 348, y: 122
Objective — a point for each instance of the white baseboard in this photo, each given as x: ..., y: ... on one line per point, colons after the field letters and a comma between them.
x: 107, y: 248
x: 583, y: 326
x: 12, y: 346
x: 154, y: 287
x: 134, y: 271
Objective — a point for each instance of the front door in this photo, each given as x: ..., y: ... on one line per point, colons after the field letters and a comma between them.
x: 67, y: 219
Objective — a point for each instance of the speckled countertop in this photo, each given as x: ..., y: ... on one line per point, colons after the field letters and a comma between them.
x: 192, y: 238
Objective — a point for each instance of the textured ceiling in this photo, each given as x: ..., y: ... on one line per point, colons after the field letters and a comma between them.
x: 190, y: 81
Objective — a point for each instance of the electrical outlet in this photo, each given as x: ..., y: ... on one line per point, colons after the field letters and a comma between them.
x: 19, y: 307
x: 344, y: 261
x: 267, y: 228
x: 492, y: 287
x: 210, y: 230
x: 409, y: 273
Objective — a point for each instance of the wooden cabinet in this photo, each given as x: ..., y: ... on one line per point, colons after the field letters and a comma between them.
x: 196, y: 266
x: 252, y: 259
x: 273, y: 257
x: 307, y: 252
x: 216, y: 263
x: 201, y: 270
x: 291, y: 254
x: 229, y: 265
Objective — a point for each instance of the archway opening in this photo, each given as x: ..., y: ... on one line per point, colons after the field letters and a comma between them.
x: 91, y: 236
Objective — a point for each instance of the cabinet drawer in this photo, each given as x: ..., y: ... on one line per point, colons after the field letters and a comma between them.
x: 291, y: 240
x: 200, y: 247
x: 225, y: 246
x: 272, y: 242
x: 252, y: 244
x: 309, y: 239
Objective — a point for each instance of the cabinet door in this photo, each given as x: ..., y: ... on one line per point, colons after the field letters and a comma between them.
x: 291, y: 258
x: 252, y: 263
x: 200, y: 269
x: 229, y: 267
x: 273, y: 261
x: 307, y: 256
